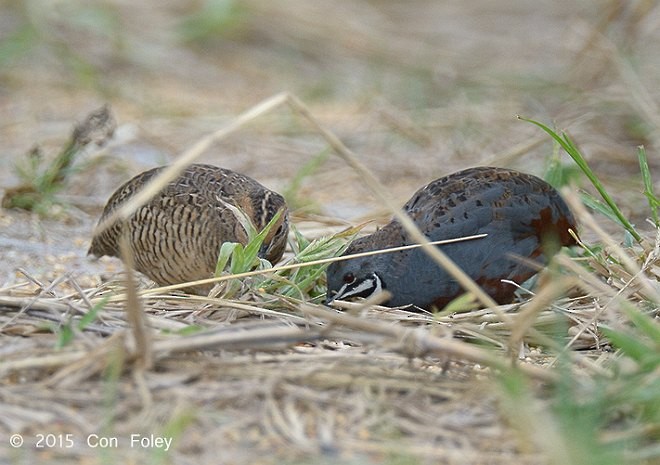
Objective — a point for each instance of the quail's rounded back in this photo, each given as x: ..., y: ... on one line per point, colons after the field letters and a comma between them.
x: 525, y: 219
x: 176, y: 236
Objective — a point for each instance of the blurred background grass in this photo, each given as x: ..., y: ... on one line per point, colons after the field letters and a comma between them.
x: 418, y: 88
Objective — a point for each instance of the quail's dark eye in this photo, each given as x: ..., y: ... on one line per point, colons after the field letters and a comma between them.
x: 349, y: 278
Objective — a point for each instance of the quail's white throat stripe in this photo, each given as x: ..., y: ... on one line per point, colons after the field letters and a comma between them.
x: 373, y: 283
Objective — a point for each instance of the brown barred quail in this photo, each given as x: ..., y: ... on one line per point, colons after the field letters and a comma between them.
x: 176, y: 236
x: 522, y: 215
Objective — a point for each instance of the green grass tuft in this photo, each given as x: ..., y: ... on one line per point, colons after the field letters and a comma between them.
x: 67, y: 332
x: 42, y: 180
x: 236, y: 258
x: 308, y: 282
x: 654, y: 201
x: 608, y: 416
x: 569, y: 146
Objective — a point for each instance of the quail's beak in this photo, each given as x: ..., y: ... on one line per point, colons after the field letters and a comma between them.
x: 329, y: 298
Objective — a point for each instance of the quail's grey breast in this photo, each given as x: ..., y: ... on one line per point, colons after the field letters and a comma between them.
x: 177, y: 235
x: 525, y: 220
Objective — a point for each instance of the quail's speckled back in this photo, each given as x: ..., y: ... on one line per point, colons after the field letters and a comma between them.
x: 176, y: 237
x: 522, y: 215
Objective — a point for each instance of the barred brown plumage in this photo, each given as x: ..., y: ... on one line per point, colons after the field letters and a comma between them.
x: 177, y: 235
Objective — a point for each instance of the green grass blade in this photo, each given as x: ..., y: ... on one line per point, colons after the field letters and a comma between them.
x: 90, y: 316
x: 554, y: 171
x: 629, y: 344
x: 300, y: 242
x: 598, y: 206
x: 254, y: 244
x: 238, y: 264
x: 226, y: 251
x: 647, y: 325
x: 571, y: 149
x: 309, y: 280
x: 244, y: 258
x: 653, y: 200
x: 557, y: 174
x: 66, y: 333
x: 65, y: 336
x: 641, y: 342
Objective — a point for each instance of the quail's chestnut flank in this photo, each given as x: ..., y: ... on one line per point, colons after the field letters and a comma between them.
x: 176, y: 236
x: 523, y: 216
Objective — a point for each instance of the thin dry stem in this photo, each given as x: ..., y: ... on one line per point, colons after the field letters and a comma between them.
x: 134, y: 309
x: 416, y: 342
x: 530, y: 311
x: 630, y: 265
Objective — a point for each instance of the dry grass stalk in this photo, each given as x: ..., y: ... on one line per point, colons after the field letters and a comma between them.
x: 39, y: 362
x: 650, y: 291
x: 29, y: 304
x: 404, y: 124
x: 134, y: 308
x: 415, y: 343
x: 531, y: 310
x: 273, y: 336
x: 86, y: 365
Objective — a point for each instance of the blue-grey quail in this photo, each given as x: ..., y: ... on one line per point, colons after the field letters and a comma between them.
x: 523, y: 216
x: 176, y: 236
